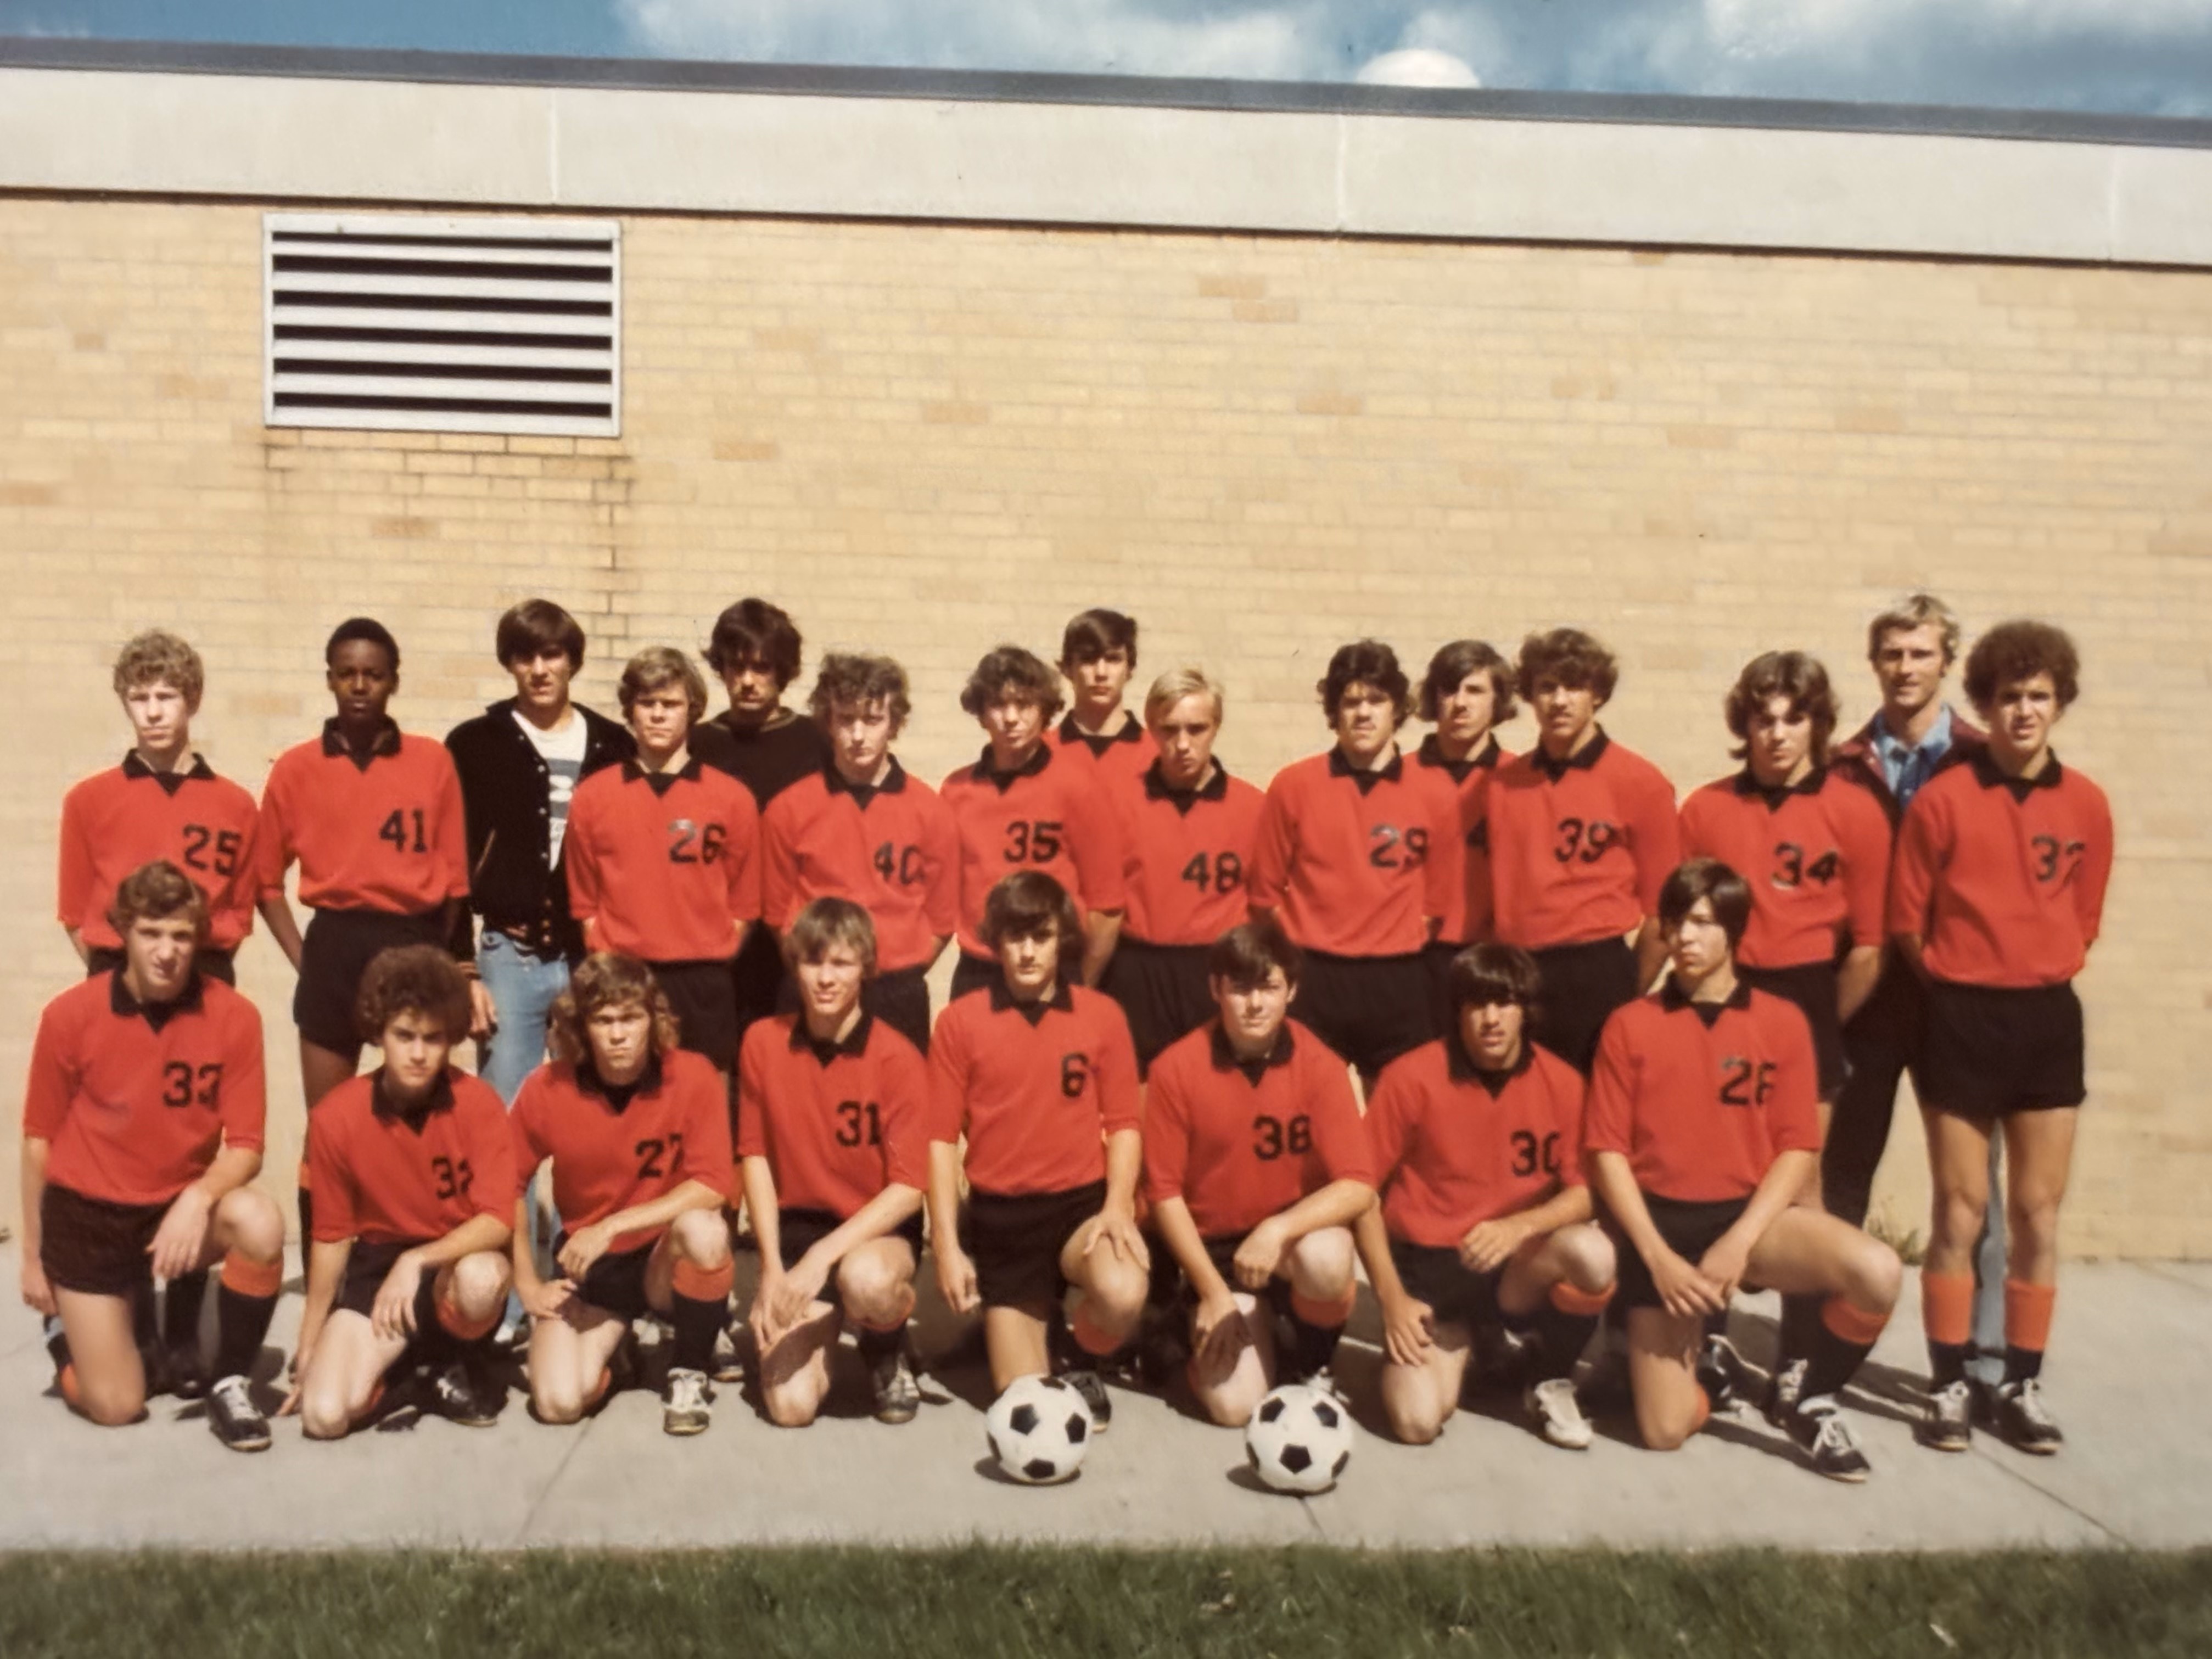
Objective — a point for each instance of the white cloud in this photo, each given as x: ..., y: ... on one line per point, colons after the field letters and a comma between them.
x: 1417, y: 66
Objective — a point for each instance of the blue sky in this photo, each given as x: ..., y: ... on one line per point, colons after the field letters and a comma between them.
x: 2139, y: 56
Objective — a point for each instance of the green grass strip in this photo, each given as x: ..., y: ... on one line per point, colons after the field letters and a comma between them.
x: 983, y: 1601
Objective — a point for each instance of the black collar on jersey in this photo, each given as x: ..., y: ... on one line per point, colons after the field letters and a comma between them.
x: 1130, y: 731
x: 385, y: 742
x: 1340, y: 767
x: 661, y: 782
x: 1747, y: 785
x: 1156, y: 787
x: 1278, y: 1053
x: 894, y: 783
x: 1460, y: 1066
x: 135, y: 767
x: 155, y: 1014
x: 854, y: 1045
x: 1039, y: 759
x: 1003, y: 998
x: 1991, y: 775
x: 439, y: 1099
x: 1583, y: 758
x: 619, y: 1096
x: 1673, y: 1000
x: 1432, y: 754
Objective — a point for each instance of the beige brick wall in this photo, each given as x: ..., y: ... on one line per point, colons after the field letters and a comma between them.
x: 929, y: 439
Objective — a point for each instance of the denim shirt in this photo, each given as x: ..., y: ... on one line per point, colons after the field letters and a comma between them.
x: 1907, y: 768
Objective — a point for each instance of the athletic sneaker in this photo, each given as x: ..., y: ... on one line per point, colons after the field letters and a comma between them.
x: 1947, y: 1426
x: 685, y: 1403
x: 1087, y: 1383
x: 1784, y: 1389
x: 2022, y: 1418
x: 898, y: 1396
x: 232, y: 1414
x: 1558, y: 1413
x: 1716, y: 1373
x: 458, y: 1395
x: 1819, y: 1427
x: 726, y: 1365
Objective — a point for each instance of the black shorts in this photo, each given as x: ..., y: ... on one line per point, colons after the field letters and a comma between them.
x: 366, y: 1268
x: 1689, y: 1228
x: 1811, y: 987
x: 1991, y: 1050
x: 616, y: 1282
x: 704, y: 996
x: 1438, y: 958
x: 215, y: 964
x: 974, y: 974
x: 1582, y: 984
x: 1369, y: 1009
x: 94, y: 1247
x: 1456, y: 1293
x: 1014, y: 1241
x: 1162, y: 991
x: 899, y: 998
x: 1221, y: 1251
x: 798, y: 1232
x: 338, y: 947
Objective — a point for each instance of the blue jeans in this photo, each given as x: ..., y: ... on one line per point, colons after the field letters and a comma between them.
x: 523, y: 986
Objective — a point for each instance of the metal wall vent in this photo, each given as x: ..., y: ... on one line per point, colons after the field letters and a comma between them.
x: 422, y: 325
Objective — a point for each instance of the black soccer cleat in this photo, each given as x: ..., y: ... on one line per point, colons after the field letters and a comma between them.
x: 182, y: 1371
x: 457, y: 1393
x: 2022, y: 1418
x: 1093, y: 1390
x: 1820, y: 1432
x: 234, y: 1418
x: 1947, y: 1424
x: 898, y: 1395
x: 1784, y: 1389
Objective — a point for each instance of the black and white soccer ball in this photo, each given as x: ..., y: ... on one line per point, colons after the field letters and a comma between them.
x: 1039, y: 1429
x: 1299, y: 1440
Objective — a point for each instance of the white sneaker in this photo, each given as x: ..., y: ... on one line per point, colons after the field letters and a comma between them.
x: 685, y: 1408
x: 1557, y: 1413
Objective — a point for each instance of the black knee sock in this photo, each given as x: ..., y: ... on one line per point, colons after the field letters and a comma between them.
x: 1947, y: 1362
x: 306, y: 1234
x: 875, y: 1345
x: 241, y: 1322
x: 2022, y: 1364
x: 698, y: 1322
x: 1835, y: 1354
x: 1312, y: 1346
x: 182, y: 1301
x: 1561, y: 1336
x: 1801, y: 1328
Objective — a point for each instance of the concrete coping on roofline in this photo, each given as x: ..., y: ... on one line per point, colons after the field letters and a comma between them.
x: 426, y: 129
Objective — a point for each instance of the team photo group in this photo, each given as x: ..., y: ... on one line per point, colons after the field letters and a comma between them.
x: 1557, y: 1057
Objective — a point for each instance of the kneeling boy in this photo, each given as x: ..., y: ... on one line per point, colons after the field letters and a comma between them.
x: 833, y: 1128
x: 1256, y: 1164
x: 1485, y: 1219
x: 414, y: 1195
x: 638, y: 1130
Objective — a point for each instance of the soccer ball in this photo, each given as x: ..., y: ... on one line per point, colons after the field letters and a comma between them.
x: 1299, y: 1440
x: 1039, y: 1429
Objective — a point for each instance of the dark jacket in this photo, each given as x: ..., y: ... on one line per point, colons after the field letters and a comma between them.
x: 1857, y: 759
x: 503, y: 793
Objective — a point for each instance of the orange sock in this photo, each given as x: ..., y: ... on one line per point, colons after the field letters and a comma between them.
x: 599, y: 1390
x: 1328, y: 1314
x: 72, y: 1391
x: 1947, y: 1306
x: 898, y: 1323
x: 1089, y: 1336
x: 1704, y: 1411
x: 2027, y: 1315
x: 1584, y: 1305
x: 1848, y: 1323
x: 251, y: 1277
x: 701, y: 1284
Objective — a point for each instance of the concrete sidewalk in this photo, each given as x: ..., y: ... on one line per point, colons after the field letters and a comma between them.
x: 2137, y: 1469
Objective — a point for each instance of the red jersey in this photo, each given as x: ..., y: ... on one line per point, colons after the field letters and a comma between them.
x: 1189, y: 851
x: 614, y: 1149
x: 1241, y: 1140
x: 1046, y: 815
x: 1579, y: 848
x: 136, y: 1101
x: 1118, y: 760
x: 1035, y: 1086
x: 380, y: 832
x: 664, y: 863
x: 890, y: 848
x: 1348, y: 857
x: 117, y: 821
x: 1460, y: 786
x: 1701, y: 1097
x: 837, y: 1122
x: 389, y: 1177
x: 1458, y: 1145
x: 1815, y: 856
x: 2004, y: 879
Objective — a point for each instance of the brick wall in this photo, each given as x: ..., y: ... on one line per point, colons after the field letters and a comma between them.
x: 928, y: 439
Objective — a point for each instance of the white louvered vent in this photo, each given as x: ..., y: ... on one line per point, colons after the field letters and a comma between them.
x: 422, y: 325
